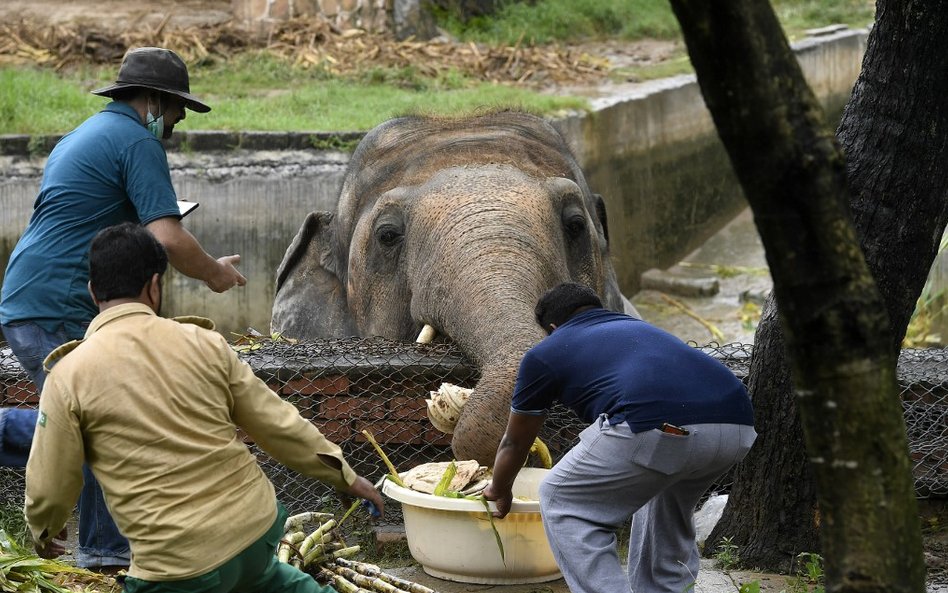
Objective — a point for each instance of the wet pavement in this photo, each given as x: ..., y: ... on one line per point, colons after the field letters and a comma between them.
x: 733, y: 261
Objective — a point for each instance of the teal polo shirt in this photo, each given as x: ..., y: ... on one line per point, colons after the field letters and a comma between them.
x: 107, y: 171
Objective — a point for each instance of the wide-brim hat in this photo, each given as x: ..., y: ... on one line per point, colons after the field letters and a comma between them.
x: 158, y: 69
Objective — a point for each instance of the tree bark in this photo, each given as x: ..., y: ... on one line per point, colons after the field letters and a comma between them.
x: 841, y: 341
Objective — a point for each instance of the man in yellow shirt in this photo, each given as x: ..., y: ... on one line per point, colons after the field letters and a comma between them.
x: 153, y: 406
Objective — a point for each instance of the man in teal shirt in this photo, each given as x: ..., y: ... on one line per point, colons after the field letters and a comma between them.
x: 111, y: 169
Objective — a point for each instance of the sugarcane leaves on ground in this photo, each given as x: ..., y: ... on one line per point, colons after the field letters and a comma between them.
x: 24, y: 571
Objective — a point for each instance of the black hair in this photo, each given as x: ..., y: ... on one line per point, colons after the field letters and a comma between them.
x: 560, y: 303
x: 122, y: 260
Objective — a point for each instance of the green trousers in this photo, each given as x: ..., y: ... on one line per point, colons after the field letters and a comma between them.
x: 255, y: 570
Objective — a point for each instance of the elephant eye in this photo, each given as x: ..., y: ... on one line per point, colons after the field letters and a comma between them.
x: 574, y: 226
x: 388, y: 235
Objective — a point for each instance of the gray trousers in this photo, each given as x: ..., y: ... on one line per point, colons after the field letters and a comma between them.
x: 654, y: 477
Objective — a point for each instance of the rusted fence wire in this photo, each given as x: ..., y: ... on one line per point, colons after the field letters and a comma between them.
x: 349, y: 385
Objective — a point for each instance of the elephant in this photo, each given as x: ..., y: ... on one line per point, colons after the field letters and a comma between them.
x: 460, y: 224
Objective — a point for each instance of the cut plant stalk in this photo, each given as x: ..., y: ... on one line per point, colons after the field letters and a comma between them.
x: 393, y: 475
x: 373, y: 570
x: 371, y: 583
x: 332, y: 556
x: 285, y: 550
x: 316, y: 536
x: 296, y: 522
x: 321, y: 551
x: 542, y: 452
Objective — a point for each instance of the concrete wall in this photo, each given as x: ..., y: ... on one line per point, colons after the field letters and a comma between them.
x: 653, y: 152
x: 650, y: 149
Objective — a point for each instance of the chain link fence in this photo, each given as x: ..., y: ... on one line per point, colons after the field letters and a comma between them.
x: 349, y: 385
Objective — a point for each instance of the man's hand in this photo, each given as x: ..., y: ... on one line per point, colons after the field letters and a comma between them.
x: 53, y: 548
x: 363, y: 488
x: 503, y: 500
x: 227, y: 275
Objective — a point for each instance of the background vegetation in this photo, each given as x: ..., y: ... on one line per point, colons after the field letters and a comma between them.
x: 260, y: 91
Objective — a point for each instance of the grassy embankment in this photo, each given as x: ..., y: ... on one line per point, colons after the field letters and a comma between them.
x: 257, y: 91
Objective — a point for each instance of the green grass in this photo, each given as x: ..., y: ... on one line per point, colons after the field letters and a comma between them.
x: 545, y: 21
x: 568, y: 20
x: 258, y: 91
x: 262, y: 93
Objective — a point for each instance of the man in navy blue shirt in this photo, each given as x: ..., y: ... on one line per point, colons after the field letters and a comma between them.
x: 111, y: 169
x: 665, y: 419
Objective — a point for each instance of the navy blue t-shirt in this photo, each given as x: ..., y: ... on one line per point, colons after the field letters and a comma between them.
x: 601, y: 362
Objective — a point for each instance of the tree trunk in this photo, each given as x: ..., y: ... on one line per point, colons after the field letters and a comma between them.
x: 837, y: 330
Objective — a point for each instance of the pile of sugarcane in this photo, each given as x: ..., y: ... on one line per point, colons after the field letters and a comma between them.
x: 350, y: 576
x: 324, y: 555
x: 323, y: 544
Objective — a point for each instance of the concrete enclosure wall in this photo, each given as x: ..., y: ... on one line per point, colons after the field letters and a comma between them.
x: 650, y: 149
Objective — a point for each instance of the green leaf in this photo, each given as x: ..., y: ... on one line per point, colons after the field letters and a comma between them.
x: 490, y: 517
x: 445, y: 482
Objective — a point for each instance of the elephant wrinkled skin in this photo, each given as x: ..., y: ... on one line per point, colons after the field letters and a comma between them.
x: 457, y: 223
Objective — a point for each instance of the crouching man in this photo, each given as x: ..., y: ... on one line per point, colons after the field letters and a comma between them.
x: 665, y: 419
x: 153, y: 406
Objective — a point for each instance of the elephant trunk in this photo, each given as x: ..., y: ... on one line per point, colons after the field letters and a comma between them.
x: 484, y: 417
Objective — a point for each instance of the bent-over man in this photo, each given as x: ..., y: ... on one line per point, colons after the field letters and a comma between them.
x: 665, y: 419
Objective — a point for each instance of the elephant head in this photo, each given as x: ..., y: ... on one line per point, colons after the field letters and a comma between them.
x: 460, y: 224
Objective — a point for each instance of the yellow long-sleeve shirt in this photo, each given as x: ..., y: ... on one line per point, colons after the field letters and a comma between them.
x: 153, y: 406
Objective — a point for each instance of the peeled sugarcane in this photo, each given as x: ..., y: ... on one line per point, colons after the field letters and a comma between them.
x: 540, y: 449
x: 340, y: 553
x: 316, y: 536
x: 372, y: 570
x: 321, y: 550
x: 342, y: 585
x: 296, y: 522
x: 285, y: 549
x: 372, y: 583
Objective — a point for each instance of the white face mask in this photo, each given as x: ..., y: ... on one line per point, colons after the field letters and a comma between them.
x: 155, y: 125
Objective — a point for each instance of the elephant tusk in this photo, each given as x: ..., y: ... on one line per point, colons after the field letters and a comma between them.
x: 427, y: 334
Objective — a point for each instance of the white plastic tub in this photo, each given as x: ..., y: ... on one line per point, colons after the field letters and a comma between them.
x: 452, y: 539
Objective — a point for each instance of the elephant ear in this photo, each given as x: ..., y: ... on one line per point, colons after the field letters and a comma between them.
x: 613, y: 299
x: 310, y: 301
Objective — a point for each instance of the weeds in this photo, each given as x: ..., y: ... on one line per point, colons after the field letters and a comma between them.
x: 727, y: 554
x: 809, y: 575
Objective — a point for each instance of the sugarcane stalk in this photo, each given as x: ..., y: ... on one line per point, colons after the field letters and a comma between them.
x: 341, y: 553
x: 285, y: 549
x: 321, y: 550
x: 374, y: 570
x: 316, y: 536
x: 343, y: 586
x: 393, y: 475
x: 366, y: 581
x: 542, y: 452
x: 296, y: 522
